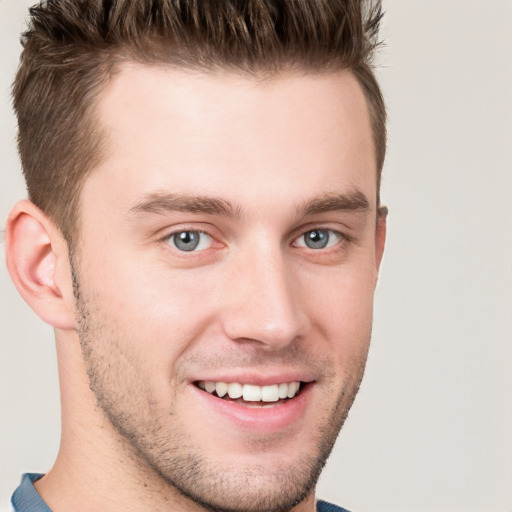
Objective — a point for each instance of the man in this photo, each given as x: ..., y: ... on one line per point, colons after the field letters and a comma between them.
x: 204, y: 234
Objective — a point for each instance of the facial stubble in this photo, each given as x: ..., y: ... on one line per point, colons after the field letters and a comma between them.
x: 159, y: 444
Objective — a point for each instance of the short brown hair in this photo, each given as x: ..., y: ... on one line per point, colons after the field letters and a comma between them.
x: 72, y: 48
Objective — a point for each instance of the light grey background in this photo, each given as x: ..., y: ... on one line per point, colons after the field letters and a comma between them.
x: 432, y: 427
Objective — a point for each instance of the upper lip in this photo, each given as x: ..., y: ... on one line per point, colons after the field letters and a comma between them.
x: 256, y: 378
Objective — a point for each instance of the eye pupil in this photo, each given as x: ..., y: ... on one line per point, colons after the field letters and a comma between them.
x: 317, y: 239
x: 186, y: 240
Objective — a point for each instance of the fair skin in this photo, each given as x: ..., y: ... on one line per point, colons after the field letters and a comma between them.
x: 230, y: 235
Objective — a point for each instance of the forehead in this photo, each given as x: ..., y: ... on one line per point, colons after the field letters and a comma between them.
x: 221, y: 133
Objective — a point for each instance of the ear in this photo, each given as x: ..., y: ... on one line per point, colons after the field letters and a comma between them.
x: 38, y: 262
x: 380, y: 235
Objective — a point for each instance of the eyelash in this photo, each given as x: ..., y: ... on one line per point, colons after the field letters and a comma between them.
x: 340, y: 238
x: 172, y: 236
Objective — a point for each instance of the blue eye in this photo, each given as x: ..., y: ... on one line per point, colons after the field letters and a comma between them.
x: 190, y: 240
x: 319, y: 239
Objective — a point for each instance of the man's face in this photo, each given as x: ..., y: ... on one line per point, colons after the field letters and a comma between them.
x: 228, y: 246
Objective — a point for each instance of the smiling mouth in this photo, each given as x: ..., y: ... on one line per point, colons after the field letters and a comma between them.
x: 250, y: 394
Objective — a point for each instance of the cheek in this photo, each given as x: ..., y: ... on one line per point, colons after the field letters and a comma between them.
x: 154, y: 314
x: 343, y: 313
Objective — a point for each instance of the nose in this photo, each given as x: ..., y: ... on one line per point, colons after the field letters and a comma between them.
x: 265, y: 305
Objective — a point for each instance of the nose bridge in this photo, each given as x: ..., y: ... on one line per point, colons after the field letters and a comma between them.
x: 265, y: 305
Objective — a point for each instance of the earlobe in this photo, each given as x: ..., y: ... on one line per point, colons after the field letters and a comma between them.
x: 36, y: 254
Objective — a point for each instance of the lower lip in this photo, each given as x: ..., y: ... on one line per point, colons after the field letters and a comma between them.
x: 263, y: 419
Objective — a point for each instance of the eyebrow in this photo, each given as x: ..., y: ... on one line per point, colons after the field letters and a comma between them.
x: 162, y: 203
x: 353, y: 201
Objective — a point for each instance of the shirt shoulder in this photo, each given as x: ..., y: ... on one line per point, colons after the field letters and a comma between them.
x: 324, y: 506
x: 26, y: 498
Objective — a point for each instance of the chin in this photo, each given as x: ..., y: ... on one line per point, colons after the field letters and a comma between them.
x: 248, y: 488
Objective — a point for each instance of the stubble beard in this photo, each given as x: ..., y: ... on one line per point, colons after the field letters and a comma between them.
x: 164, y: 450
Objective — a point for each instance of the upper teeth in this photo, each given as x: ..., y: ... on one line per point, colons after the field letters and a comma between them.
x: 250, y: 392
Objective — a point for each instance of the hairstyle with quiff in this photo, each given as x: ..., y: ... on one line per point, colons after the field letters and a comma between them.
x: 73, y: 47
